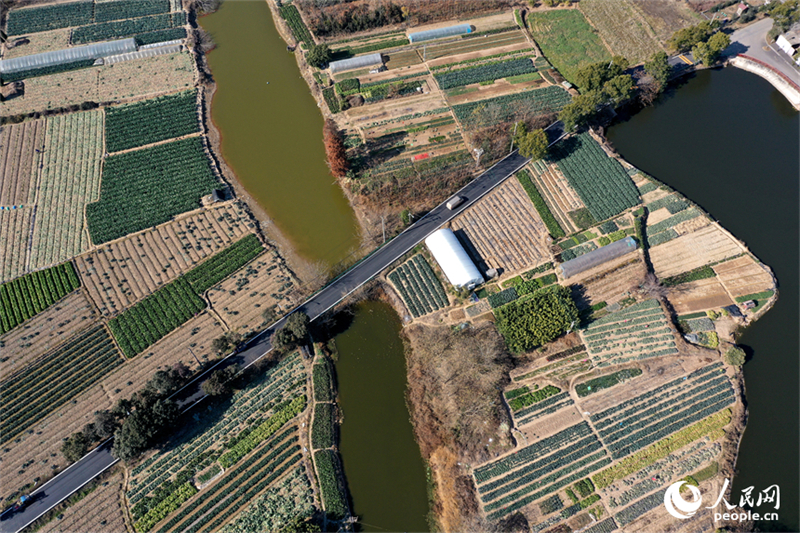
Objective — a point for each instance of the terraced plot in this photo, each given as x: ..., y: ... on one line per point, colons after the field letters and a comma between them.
x: 45, y: 386
x: 70, y: 179
x: 743, y: 275
x: 418, y: 285
x: 505, y: 230
x: 51, y: 327
x: 687, y: 252
x: 15, y: 233
x: 20, y: 152
x: 560, y: 197
x: 637, y: 332
x: 120, y: 274
x: 537, y: 471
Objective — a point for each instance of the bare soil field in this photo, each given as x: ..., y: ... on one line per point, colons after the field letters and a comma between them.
x: 557, y: 193
x: 481, y: 53
x: 464, y: 46
x: 401, y: 59
x: 20, y: 145
x: 665, y: 17
x: 699, y: 295
x: 613, y: 284
x: 622, y: 28
x: 505, y: 230
x: 263, y: 284
x: 101, y: 511
x: 395, y: 107
x: 550, y: 425
x: 500, y: 86
x: 123, y: 272
x: 15, y: 232
x: 743, y: 276
x: 691, y: 251
x: 24, y: 344
x: 130, y: 79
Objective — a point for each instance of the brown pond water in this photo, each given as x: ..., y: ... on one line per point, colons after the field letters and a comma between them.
x: 272, y: 132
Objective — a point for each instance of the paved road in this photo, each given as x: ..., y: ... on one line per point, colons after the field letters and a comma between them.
x: 752, y: 41
x: 100, y: 459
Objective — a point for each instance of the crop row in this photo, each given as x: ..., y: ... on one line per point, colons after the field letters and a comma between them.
x: 674, y: 220
x: 505, y: 108
x: 581, y: 505
x: 292, y: 17
x: 531, y: 453
x: 53, y: 381
x: 503, y: 297
x: 333, y: 497
x: 29, y: 295
x: 147, y: 187
x: 531, y: 398
x: 450, y: 66
x: 167, y: 505
x: 323, y: 381
x: 624, y: 409
x: 596, y: 332
x: 485, y: 72
x: 50, y: 17
x: 600, y: 181
x: 148, y: 321
x: 150, y: 121
x: 661, y: 238
x: 578, y: 251
x: 673, y: 203
x: 703, y: 272
x: 606, y: 526
x: 263, y: 431
x: 419, y: 287
x: 209, y: 498
x: 332, y: 100
x: 128, y: 9
x: 597, y: 384
x: 542, y: 411
x: 106, y: 31
x: 632, y: 512
x: 46, y: 70
x: 160, y: 36
x: 322, y: 430
x: 629, y: 311
x: 552, y: 400
x: 222, y: 264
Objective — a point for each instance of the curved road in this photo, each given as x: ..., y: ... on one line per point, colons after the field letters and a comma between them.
x: 100, y: 459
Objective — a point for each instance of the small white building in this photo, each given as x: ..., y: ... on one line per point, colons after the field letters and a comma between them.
x: 453, y: 259
x: 789, y: 42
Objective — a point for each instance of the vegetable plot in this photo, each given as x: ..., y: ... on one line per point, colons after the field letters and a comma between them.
x: 107, y: 31
x: 536, y: 319
x: 50, y: 17
x: 147, y: 187
x: 292, y: 17
x: 421, y: 290
x: 149, y: 121
x: 128, y: 9
x: 485, y: 72
x: 47, y: 385
x: 505, y: 108
x: 595, y: 385
x: 24, y: 297
x: 600, y: 181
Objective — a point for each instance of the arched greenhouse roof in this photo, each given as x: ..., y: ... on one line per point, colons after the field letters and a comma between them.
x: 453, y: 259
x: 368, y: 60
x: 597, y: 257
x: 67, y: 55
x: 438, y: 33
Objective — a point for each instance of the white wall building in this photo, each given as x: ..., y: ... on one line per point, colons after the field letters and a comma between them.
x: 453, y: 259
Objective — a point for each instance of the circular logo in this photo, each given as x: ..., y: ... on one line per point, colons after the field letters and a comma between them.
x: 677, y: 506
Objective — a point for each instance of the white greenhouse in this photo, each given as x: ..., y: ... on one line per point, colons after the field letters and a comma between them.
x: 453, y: 259
x: 438, y: 33
x: 67, y: 55
x: 369, y: 60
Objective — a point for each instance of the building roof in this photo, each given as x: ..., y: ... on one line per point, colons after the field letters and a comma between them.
x: 438, y: 33
x: 67, y: 55
x: 356, y: 62
x: 453, y: 259
x: 597, y: 257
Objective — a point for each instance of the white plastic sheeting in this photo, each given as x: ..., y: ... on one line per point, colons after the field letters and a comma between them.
x: 453, y: 259
x: 159, y: 45
x: 67, y: 55
x: 438, y: 33
x: 141, y: 54
x: 597, y: 257
x: 368, y: 60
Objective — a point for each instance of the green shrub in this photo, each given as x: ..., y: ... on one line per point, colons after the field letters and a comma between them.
x: 536, y: 319
x: 348, y: 86
x: 603, y: 241
x: 735, y: 356
x: 584, y: 487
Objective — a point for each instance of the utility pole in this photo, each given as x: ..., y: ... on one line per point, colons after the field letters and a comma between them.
x: 478, y: 154
x: 383, y: 227
x: 512, y: 138
x: 195, y: 357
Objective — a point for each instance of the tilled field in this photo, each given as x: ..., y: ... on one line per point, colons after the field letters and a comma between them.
x: 119, y: 274
x: 743, y: 275
x: 20, y: 145
x: 691, y: 251
x: 101, y: 511
x: 505, y: 229
x: 15, y: 232
x: 610, y: 286
x: 699, y: 295
x: 560, y: 197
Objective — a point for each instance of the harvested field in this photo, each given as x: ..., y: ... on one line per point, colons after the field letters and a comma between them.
x: 402, y: 59
x: 15, y: 232
x: 101, y: 511
x: 40, y: 42
x: 130, y: 79
x: 743, y: 276
x: 665, y: 17
x: 560, y: 197
x: 474, y: 44
x: 612, y: 285
x: 688, y: 252
x: 505, y: 230
x: 699, y: 295
x: 20, y: 145
x: 622, y: 28
x: 70, y: 179
x: 566, y: 40
x: 119, y: 274
x: 264, y: 283
x: 51, y: 327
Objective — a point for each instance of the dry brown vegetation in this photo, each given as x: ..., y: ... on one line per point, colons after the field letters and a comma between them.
x: 15, y: 231
x: 454, y: 398
x: 101, y: 511
x: 687, y: 252
x: 119, y: 274
x: 334, y: 149
x: 19, y: 146
x: 665, y: 17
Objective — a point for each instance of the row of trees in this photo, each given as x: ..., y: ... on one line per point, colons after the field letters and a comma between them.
x: 335, y: 149
x: 600, y: 84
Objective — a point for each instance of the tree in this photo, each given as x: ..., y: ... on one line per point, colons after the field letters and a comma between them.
x: 75, y: 447
x: 90, y: 432
x: 335, y: 149
x: 318, y: 55
x: 684, y: 39
x: 619, y: 89
x: 580, y: 110
x: 658, y: 67
x: 785, y: 14
x: 300, y: 524
x: 719, y: 42
x: 702, y: 53
x: 592, y: 77
x: 163, y: 382
x: 105, y: 423
x: 293, y: 332
x: 217, y: 382
x: 534, y: 144
x: 735, y: 356
x: 220, y: 344
x: 708, y: 52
